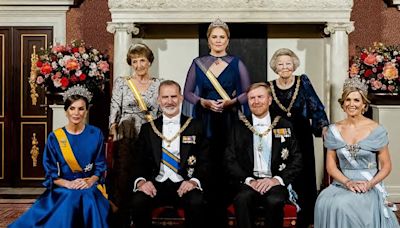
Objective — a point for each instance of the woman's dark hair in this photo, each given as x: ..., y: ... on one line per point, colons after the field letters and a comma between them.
x: 71, y: 99
x: 139, y: 50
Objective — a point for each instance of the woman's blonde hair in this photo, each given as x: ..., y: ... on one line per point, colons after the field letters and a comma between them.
x: 348, y: 90
x: 218, y: 23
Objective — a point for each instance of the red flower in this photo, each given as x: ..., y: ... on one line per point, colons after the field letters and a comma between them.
x: 45, y: 69
x: 368, y: 73
x: 73, y: 50
x: 39, y: 64
x: 74, y: 79
x: 82, y: 77
x: 363, y: 56
x: 64, y: 82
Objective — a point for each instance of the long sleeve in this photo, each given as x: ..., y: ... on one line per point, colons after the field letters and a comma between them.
x: 244, y: 81
x: 100, y: 162
x: 294, y: 164
x: 116, y: 101
x: 233, y: 166
x: 316, y: 109
x: 50, y: 161
x: 190, y: 85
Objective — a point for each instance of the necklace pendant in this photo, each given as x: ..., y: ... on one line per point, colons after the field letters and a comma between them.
x: 289, y: 114
x: 169, y: 145
x: 259, y: 148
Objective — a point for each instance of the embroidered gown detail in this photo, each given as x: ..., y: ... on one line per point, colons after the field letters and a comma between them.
x: 65, y: 208
x: 124, y: 105
x: 337, y: 206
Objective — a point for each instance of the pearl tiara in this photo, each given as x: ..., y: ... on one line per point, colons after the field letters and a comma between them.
x: 356, y: 82
x: 78, y: 90
x: 133, y: 46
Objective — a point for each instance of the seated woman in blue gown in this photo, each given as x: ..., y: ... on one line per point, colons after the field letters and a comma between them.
x: 74, y: 163
x: 356, y: 145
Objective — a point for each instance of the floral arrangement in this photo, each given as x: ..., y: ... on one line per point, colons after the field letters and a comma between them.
x: 63, y: 66
x: 379, y: 66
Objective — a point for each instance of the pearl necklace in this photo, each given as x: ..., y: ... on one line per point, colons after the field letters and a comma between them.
x: 280, y: 105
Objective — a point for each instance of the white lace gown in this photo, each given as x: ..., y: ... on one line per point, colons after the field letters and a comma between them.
x: 336, y: 206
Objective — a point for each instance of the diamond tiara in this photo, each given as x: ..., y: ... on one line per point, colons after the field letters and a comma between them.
x: 218, y: 23
x: 356, y: 82
x: 78, y: 90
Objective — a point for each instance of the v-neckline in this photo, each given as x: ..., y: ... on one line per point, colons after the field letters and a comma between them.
x: 359, y: 141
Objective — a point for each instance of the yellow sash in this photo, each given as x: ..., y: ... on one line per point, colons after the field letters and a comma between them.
x: 138, y: 98
x: 69, y: 156
x: 214, y: 81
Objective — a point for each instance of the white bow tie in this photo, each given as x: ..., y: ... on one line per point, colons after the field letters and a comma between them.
x: 173, y: 121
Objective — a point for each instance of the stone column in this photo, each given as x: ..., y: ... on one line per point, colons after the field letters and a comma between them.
x: 122, y: 41
x: 339, y: 64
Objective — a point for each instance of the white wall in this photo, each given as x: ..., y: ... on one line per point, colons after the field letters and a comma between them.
x: 311, y: 53
x: 173, y: 57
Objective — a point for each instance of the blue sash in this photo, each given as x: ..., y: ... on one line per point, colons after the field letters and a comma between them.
x: 170, y: 160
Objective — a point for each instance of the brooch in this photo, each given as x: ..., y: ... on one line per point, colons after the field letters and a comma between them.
x: 88, y: 167
x: 284, y: 153
x: 191, y: 162
x: 282, y: 166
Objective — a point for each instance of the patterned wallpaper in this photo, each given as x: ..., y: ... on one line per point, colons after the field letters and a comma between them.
x: 89, y: 22
x: 373, y: 21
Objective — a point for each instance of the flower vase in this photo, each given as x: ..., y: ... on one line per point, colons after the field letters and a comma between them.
x: 55, y: 98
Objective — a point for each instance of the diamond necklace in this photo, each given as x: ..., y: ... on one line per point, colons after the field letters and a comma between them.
x: 280, y: 105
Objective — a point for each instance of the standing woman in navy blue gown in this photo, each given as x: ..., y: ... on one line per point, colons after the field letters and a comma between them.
x: 295, y: 99
x: 217, y: 112
x: 74, y: 162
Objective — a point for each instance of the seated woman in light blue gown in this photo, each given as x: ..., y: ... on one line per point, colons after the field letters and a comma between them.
x: 356, y: 145
x: 74, y: 162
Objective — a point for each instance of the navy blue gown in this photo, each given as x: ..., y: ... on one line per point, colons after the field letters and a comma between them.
x: 235, y: 80
x: 308, y: 118
x: 61, y: 207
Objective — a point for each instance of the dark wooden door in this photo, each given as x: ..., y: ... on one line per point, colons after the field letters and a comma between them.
x: 24, y: 126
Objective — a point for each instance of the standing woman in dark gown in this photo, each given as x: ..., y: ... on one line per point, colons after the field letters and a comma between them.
x: 295, y: 99
x: 217, y: 112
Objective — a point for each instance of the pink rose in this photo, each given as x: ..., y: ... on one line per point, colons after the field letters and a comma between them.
x: 376, y: 84
x: 103, y: 66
